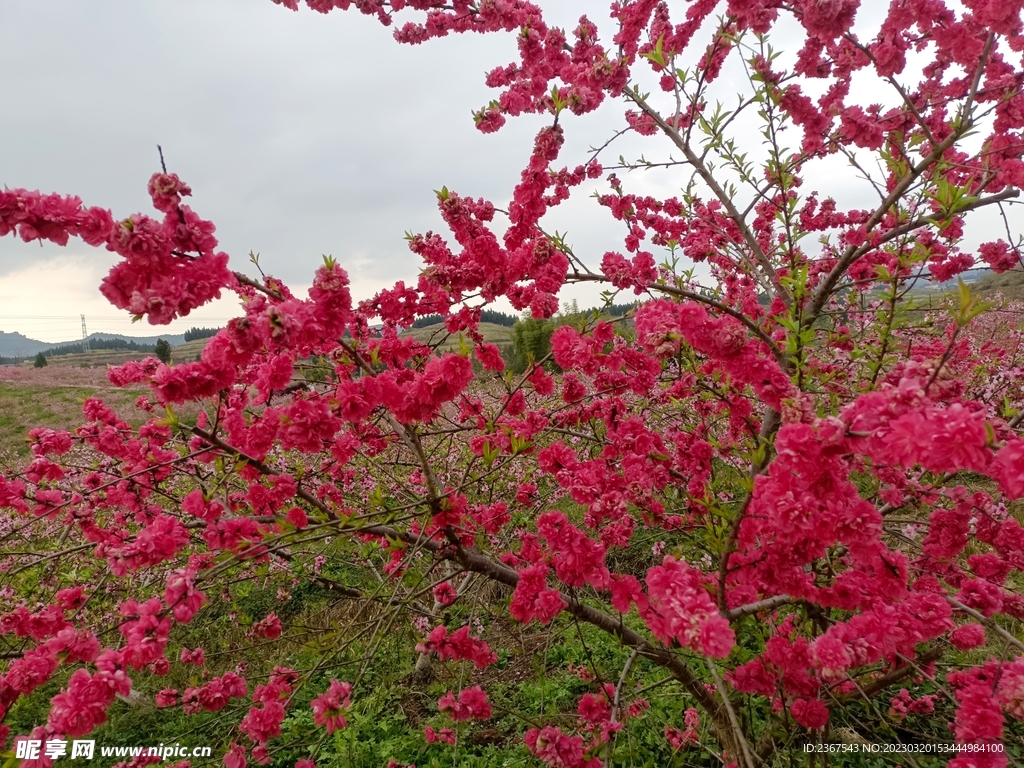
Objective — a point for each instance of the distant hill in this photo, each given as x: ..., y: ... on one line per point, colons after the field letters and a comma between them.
x: 19, y: 345
x: 492, y: 332
x: 927, y: 285
x: 1010, y: 284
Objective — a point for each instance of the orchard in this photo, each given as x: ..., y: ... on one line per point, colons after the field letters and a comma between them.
x: 773, y: 508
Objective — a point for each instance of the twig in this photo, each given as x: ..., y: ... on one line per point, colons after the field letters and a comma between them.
x: 987, y: 621
x: 615, y: 704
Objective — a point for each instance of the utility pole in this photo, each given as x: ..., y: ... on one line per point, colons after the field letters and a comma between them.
x: 85, y: 336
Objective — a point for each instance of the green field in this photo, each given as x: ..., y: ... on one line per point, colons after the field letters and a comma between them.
x: 52, y: 396
x: 101, y: 358
x: 30, y: 404
x: 433, y: 334
x: 190, y: 350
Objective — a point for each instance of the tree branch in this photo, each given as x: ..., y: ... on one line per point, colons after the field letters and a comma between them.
x: 716, y: 188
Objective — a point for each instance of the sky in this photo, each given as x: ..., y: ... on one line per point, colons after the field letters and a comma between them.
x: 300, y: 135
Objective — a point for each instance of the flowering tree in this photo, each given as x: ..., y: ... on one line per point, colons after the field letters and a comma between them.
x: 789, y: 495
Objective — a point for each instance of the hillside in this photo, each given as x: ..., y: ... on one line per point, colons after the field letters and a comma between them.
x: 1009, y: 284
x: 493, y: 333
x: 19, y: 345
x: 188, y: 351
x: 181, y: 353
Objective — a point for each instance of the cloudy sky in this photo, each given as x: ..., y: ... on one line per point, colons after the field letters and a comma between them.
x: 300, y: 135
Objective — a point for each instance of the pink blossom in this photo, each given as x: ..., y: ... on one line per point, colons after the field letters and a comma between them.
x: 967, y: 636
x: 83, y: 705
x: 217, y: 693
x: 445, y: 735
x: 457, y: 645
x: 445, y: 594
x: 532, y: 598
x: 269, y: 627
x: 680, y: 609
x: 263, y: 723
x: 472, y: 704
x: 196, y: 657
x: 235, y: 757
x: 168, y: 697
x: 181, y: 596
x: 329, y: 705
x: 810, y: 713
x: 1008, y: 468
x: 558, y: 750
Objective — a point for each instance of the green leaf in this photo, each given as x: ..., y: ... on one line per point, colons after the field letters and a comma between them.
x: 490, y: 453
x: 1008, y: 410
x: 556, y: 100
x: 658, y: 54
x: 172, y: 419
x: 376, y: 497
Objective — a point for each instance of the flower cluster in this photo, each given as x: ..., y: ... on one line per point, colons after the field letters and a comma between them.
x: 472, y: 704
x: 769, y: 479
x: 329, y: 706
x: 457, y: 645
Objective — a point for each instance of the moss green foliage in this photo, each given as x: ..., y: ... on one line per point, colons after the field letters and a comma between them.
x: 77, y: 347
x: 200, y: 333
x: 531, y: 342
x: 163, y: 351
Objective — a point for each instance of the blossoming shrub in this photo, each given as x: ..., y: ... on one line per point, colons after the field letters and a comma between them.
x: 789, y: 498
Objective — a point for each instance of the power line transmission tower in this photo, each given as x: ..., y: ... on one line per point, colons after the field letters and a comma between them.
x: 85, y: 336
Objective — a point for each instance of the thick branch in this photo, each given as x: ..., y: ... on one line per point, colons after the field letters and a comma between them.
x: 895, y: 675
x: 761, y: 605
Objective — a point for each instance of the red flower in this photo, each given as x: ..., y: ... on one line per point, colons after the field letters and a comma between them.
x: 328, y: 706
x: 472, y: 704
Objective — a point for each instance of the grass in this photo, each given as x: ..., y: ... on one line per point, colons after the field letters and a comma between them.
x: 189, y: 351
x: 96, y: 359
x: 183, y: 353
x: 492, y: 332
x: 53, y: 398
